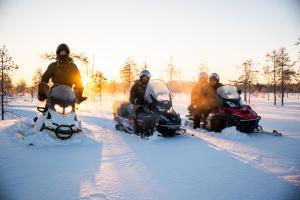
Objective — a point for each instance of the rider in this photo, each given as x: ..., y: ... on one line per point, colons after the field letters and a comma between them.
x: 62, y: 72
x: 210, y: 94
x: 137, y: 91
x: 196, y: 106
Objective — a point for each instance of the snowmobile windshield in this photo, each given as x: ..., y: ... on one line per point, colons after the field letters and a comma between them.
x: 228, y: 92
x: 157, y: 90
x: 62, y: 95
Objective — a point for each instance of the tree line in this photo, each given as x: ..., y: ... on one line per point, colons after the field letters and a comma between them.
x: 281, y: 76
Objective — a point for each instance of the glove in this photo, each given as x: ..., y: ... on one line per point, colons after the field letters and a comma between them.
x: 80, y: 99
x: 41, y: 96
x: 43, y: 91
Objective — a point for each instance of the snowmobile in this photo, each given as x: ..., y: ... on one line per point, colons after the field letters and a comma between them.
x: 58, y: 116
x: 231, y: 111
x: 157, y: 113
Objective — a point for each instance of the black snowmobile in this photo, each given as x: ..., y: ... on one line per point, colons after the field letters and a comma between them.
x: 157, y: 113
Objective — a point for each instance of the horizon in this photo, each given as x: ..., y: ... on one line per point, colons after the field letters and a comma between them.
x: 220, y: 34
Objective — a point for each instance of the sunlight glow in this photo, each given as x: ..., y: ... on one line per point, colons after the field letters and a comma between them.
x: 85, y: 80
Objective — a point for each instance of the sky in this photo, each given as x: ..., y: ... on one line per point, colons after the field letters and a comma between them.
x: 218, y: 33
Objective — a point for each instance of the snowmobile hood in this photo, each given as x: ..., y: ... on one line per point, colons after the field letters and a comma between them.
x: 244, y: 113
x: 62, y: 95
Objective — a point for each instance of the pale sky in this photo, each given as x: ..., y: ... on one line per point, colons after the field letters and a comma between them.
x: 221, y: 33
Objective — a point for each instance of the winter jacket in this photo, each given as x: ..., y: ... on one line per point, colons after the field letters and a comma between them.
x: 196, y: 95
x: 209, y: 95
x: 64, y: 72
x: 137, y: 93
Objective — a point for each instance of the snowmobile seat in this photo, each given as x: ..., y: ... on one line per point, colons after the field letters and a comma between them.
x: 124, y: 110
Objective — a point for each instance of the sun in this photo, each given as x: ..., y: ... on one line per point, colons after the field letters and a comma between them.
x: 85, y: 80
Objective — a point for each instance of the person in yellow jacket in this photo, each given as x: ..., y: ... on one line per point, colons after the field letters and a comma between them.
x: 196, y: 106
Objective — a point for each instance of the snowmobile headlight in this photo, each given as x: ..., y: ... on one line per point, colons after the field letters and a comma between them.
x: 68, y: 109
x: 59, y: 109
x: 63, y: 110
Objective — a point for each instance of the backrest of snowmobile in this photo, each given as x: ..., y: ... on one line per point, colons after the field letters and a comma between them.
x: 62, y: 95
x: 120, y: 108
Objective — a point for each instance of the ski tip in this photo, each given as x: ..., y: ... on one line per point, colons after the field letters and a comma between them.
x: 276, y: 133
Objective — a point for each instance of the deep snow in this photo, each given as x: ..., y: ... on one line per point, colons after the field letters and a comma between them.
x: 107, y: 164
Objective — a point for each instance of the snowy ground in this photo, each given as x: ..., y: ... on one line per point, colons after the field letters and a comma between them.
x: 107, y: 164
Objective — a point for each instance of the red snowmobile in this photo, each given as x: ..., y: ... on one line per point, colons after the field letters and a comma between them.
x: 231, y: 112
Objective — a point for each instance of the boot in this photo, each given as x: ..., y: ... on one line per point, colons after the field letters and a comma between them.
x: 196, y: 123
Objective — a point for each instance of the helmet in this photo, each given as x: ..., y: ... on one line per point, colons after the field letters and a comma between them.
x: 62, y: 47
x: 203, y: 75
x: 215, y: 76
x: 145, y: 73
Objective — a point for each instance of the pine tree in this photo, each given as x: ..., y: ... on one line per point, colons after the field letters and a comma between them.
x: 99, y: 79
x: 267, y: 75
x: 7, y: 66
x: 36, y: 79
x: 172, y: 73
x: 21, y: 87
x: 272, y: 57
x: 285, y: 70
x: 248, y: 77
x: 129, y: 72
x: 297, y: 77
x: 145, y: 66
x: 297, y: 80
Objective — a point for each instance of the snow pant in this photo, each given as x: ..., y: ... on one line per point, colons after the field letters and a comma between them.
x: 206, y: 112
x: 197, y: 116
x: 191, y: 109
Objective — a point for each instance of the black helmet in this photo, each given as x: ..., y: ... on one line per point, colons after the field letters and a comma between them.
x: 62, y: 47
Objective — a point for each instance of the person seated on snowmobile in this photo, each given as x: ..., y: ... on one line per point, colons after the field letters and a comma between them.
x: 209, y: 94
x: 196, y: 106
x: 62, y: 72
x: 137, y: 91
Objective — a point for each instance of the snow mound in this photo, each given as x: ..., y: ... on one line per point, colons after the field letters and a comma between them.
x: 26, y: 136
x: 234, y: 134
x: 229, y: 133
